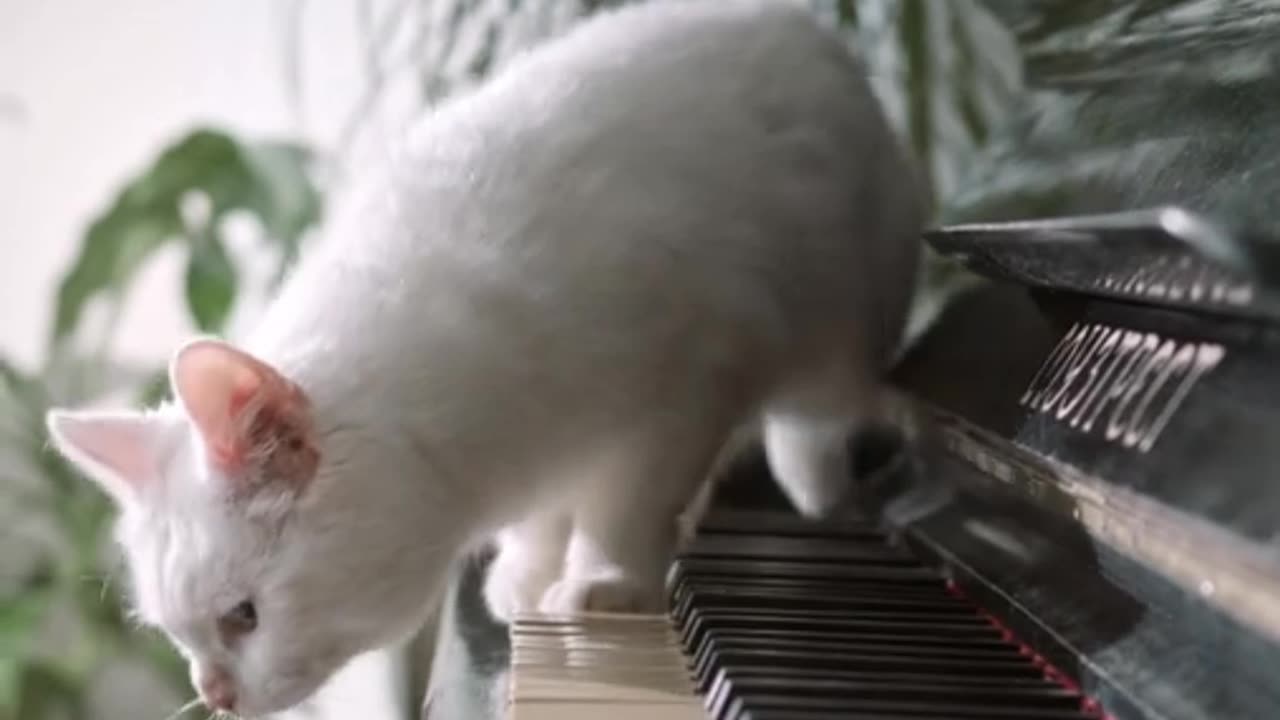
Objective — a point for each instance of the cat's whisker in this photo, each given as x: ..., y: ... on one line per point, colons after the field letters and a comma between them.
x: 104, y: 581
x: 183, y: 710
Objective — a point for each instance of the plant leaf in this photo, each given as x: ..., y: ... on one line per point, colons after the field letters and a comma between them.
x: 47, y: 691
x: 155, y: 389
x: 114, y: 248
x: 268, y: 180
x: 211, y: 282
x: 10, y: 686
x: 21, y: 617
x: 284, y: 199
x: 847, y: 13
x: 22, y: 400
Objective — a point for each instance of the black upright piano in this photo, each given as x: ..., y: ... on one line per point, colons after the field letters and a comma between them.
x: 1074, y: 510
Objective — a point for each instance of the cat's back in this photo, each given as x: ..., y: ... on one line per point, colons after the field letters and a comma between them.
x: 654, y: 74
x: 649, y: 122
x: 727, y: 151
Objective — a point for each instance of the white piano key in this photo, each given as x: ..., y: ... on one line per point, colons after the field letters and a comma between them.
x: 618, y: 667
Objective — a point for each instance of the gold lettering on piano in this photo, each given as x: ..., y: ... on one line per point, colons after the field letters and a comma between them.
x: 1125, y: 382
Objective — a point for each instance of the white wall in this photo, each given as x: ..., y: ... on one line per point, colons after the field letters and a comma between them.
x: 89, y: 91
x: 99, y: 87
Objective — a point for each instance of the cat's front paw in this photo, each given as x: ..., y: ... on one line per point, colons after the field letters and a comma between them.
x: 606, y: 593
x: 513, y: 588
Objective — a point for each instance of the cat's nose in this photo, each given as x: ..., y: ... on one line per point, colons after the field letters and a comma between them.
x: 217, y: 690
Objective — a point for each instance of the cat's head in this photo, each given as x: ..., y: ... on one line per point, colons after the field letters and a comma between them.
x: 264, y: 545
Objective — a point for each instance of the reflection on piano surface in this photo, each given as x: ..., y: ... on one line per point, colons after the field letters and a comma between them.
x: 1073, y: 515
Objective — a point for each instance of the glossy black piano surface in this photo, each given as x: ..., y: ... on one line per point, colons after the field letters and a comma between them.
x: 1109, y: 474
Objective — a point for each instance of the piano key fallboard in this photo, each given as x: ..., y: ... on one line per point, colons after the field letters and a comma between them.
x: 775, y: 617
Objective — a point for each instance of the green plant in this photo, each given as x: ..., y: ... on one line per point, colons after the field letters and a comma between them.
x: 946, y: 72
x: 59, y: 523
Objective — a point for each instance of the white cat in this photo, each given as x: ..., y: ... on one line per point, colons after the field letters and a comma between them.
x: 678, y: 223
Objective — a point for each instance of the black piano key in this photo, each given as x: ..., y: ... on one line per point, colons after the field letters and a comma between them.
x: 719, y: 694
x: 895, y: 701
x: 771, y: 714
x: 850, y: 659
x: 748, y: 633
x: 729, y: 598
x: 901, y: 632
x: 801, y: 568
x: 703, y: 656
x: 867, y: 615
x: 881, y: 676
x: 813, y: 550
x: 950, y: 631
x: 824, y: 664
x: 690, y: 581
x: 823, y: 595
x: 791, y: 619
x: 750, y: 522
x: 921, y: 693
x: 942, y: 623
x: 702, y: 621
x: 819, y: 714
x: 907, y: 709
x: 791, y: 714
x: 679, y: 589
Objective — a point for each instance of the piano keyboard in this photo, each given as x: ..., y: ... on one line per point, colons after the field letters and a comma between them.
x: 775, y: 618
x: 621, y: 667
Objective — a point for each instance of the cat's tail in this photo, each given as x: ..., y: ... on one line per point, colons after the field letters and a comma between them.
x: 809, y: 459
x: 812, y: 434
x: 821, y: 441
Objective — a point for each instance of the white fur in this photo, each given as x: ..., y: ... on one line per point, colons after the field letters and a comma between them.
x: 545, y: 321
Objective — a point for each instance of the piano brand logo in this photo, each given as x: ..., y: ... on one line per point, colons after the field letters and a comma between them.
x: 1127, y: 383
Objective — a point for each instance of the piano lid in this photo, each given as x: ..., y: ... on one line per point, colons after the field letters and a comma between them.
x: 1150, y: 132
x: 1166, y: 256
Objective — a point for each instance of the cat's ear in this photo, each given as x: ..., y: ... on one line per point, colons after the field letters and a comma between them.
x: 117, y: 450
x: 253, y: 420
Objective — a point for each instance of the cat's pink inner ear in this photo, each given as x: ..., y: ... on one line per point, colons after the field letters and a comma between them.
x: 117, y: 450
x: 239, y: 404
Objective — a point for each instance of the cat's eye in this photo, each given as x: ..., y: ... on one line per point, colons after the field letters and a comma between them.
x: 239, y: 620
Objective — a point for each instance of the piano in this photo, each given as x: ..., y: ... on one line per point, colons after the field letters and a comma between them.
x: 1073, y: 510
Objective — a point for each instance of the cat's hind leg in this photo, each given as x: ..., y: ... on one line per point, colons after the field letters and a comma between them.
x: 530, y: 557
